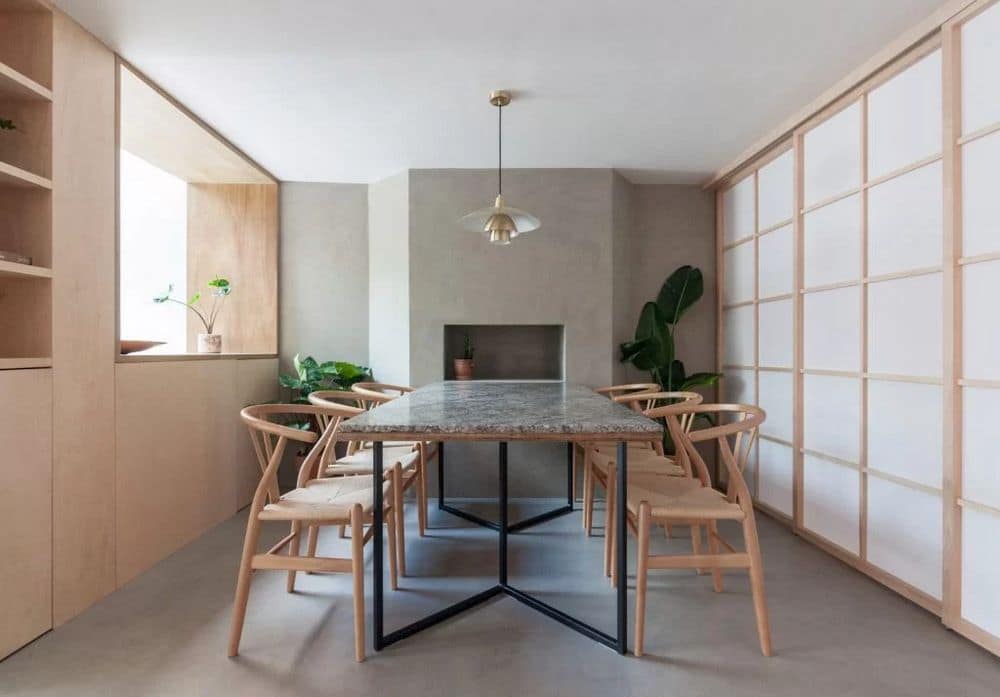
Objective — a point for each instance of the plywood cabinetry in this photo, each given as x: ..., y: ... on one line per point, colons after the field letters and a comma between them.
x: 26, y: 514
x: 183, y: 463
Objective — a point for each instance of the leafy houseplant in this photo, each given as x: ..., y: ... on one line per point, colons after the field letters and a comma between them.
x: 311, y: 375
x: 465, y: 364
x: 653, y: 348
x: 220, y: 288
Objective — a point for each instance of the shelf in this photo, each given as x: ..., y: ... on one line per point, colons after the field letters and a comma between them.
x: 14, y: 85
x: 23, y: 363
x: 15, y: 176
x: 10, y: 269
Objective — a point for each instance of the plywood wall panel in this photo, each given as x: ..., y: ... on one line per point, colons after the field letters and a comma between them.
x: 83, y: 308
x: 26, y: 515
x: 176, y: 441
x: 256, y: 382
x: 233, y: 233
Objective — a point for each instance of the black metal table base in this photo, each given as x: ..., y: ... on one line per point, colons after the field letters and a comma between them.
x: 503, y: 527
x: 443, y: 505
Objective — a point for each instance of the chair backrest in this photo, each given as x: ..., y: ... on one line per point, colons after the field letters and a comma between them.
x: 735, y: 437
x: 375, y: 393
x: 612, y: 391
x: 647, y: 402
x: 342, y: 404
x: 270, y: 438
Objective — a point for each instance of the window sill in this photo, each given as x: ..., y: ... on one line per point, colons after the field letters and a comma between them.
x: 173, y: 357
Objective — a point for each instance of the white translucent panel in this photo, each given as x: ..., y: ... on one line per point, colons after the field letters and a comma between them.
x: 739, y: 263
x: 738, y: 387
x: 776, y: 398
x: 981, y: 320
x: 904, y: 533
x: 832, y: 416
x: 980, y: 203
x: 776, y: 263
x: 775, y: 479
x: 981, y: 70
x: 981, y: 569
x: 980, y: 454
x: 739, y: 337
x: 738, y: 210
x: 832, y: 243
x: 904, y: 326
x: 832, y: 334
x: 833, y: 156
x: 904, y: 222
x: 904, y: 430
x: 904, y: 117
x: 776, y: 340
x: 831, y: 501
x: 775, y: 189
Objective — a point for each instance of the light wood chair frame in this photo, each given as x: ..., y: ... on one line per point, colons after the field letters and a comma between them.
x: 375, y: 393
x: 735, y: 441
x: 270, y: 440
x: 645, y: 402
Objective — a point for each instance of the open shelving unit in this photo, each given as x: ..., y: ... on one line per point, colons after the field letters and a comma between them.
x: 26, y: 184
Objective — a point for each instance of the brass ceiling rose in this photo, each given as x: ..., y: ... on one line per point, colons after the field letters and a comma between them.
x: 500, y: 223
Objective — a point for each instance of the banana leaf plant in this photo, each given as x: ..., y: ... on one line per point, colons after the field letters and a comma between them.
x: 653, y: 348
x: 311, y: 375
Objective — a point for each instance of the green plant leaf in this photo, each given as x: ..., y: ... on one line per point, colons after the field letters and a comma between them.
x: 700, y: 380
x: 165, y: 296
x: 675, y: 376
x: 350, y: 371
x: 289, y: 381
x: 194, y: 298
x: 682, y: 289
x: 657, y: 347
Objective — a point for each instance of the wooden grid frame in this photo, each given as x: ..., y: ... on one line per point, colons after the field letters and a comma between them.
x: 947, y: 38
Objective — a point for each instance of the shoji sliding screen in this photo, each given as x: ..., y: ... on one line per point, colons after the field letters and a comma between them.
x: 758, y: 314
x: 872, y: 404
x: 972, y: 44
x: 861, y: 310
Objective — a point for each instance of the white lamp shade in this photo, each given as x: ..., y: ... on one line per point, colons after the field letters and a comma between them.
x: 477, y: 221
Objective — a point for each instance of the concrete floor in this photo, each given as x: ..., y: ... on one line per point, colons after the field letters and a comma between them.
x: 836, y: 633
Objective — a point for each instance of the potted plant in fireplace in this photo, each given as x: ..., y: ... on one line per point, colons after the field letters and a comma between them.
x: 465, y: 364
x: 220, y: 288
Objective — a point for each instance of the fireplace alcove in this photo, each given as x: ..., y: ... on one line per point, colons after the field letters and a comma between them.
x: 508, y: 351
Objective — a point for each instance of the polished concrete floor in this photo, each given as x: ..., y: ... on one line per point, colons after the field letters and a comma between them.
x: 836, y: 633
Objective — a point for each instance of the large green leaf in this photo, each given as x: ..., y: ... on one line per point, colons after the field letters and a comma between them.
x: 700, y: 380
x: 653, y: 346
x: 680, y: 291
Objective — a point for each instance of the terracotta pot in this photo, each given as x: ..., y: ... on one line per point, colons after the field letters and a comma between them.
x: 463, y: 368
x: 210, y: 343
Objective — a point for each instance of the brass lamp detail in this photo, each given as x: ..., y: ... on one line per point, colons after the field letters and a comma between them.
x: 500, y: 223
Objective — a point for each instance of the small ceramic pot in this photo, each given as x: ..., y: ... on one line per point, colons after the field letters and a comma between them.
x: 210, y: 343
x: 463, y: 368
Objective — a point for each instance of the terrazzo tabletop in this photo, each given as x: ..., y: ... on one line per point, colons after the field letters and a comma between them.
x: 503, y: 410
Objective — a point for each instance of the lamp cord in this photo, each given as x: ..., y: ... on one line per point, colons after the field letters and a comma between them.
x: 499, y: 149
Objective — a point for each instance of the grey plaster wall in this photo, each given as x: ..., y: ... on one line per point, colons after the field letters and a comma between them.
x: 324, y: 272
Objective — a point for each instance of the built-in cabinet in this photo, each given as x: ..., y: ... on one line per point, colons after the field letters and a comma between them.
x: 860, y: 275
x: 26, y: 514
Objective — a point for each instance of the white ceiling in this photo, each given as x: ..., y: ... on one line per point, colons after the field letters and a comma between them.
x: 665, y: 90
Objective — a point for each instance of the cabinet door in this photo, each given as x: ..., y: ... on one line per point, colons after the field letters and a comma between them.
x: 26, y: 514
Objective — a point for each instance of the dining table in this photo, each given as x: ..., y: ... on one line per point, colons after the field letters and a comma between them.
x: 500, y: 411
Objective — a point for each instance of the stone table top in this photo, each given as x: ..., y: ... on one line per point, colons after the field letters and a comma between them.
x: 502, y: 410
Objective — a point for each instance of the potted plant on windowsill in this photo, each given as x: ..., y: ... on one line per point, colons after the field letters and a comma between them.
x: 465, y: 365
x: 209, y: 341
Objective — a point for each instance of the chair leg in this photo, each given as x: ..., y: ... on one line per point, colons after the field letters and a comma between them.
x: 589, y: 489
x: 642, y: 568
x: 668, y: 530
x: 696, y: 542
x: 343, y: 532
x: 243, y: 584
x: 757, y: 584
x: 422, y: 494
x: 609, y: 523
x: 390, y: 524
x: 293, y: 551
x: 399, y: 512
x: 713, y: 546
x: 358, y: 571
